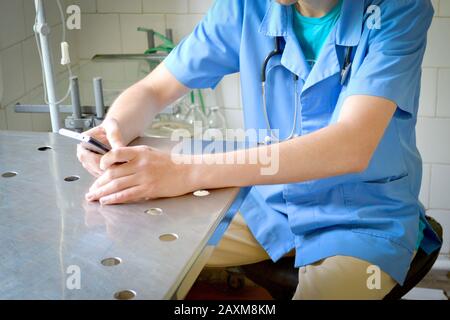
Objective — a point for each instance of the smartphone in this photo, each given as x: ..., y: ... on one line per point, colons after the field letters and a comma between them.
x: 87, y: 142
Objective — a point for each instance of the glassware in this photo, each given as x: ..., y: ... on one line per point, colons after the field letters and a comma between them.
x: 196, y: 120
x: 171, y: 119
x: 216, y: 120
x: 180, y: 109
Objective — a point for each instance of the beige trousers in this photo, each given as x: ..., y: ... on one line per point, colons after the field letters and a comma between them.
x: 333, y: 278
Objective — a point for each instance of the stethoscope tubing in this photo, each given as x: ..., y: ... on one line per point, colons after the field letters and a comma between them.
x: 345, y: 72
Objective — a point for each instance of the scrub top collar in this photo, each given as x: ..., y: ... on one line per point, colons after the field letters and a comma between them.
x: 279, y: 17
x: 278, y: 22
x: 352, y: 14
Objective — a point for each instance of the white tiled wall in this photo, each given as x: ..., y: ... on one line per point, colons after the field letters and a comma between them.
x: 20, y: 68
x: 119, y: 20
x: 109, y: 26
x: 133, y: 41
x: 119, y: 6
x: 12, y: 22
x: 443, y: 94
x: 100, y: 33
x: 433, y: 128
x: 171, y: 6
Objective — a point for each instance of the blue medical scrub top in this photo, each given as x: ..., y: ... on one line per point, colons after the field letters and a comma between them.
x: 373, y: 215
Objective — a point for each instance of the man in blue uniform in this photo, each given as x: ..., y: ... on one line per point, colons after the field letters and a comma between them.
x: 342, y: 92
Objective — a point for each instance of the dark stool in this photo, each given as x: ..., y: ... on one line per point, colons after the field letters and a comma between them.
x: 280, y: 279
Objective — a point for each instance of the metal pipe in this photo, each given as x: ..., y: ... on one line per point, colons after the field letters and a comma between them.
x: 150, y: 39
x: 43, y: 31
x: 75, y: 96
x: 43, y: 108
x: 169, y: 34
x: 99, y: 101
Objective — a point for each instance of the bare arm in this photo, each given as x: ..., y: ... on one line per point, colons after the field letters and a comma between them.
x: 136, y: 107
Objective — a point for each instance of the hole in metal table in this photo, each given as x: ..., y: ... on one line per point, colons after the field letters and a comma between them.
x: 71, y: 178
x: 167, y: 237
x: 125, y: 295
x: 45, y: 148
x: 154, y: 211
x: 110, y: 262
x: 201, y: 193
x: 9, y: 174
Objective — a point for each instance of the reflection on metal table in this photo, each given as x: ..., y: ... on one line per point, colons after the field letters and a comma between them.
x: 52, y: 240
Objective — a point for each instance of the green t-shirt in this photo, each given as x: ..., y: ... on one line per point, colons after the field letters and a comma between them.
x: 313, y: 32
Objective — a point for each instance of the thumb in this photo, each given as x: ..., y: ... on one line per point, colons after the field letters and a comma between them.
x: 113, y: 133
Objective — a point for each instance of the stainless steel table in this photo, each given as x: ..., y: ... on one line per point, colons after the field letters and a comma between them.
x: 52, y: 240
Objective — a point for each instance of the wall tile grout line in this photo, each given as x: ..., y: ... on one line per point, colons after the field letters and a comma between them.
x: 429, y: 186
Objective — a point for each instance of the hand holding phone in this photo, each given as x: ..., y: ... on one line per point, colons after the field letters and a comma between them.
x: 87, y: 142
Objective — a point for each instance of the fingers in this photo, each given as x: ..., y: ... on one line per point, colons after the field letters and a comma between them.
x: 96, y: 131
x: 108, y: 133
x: 114, y: 172
x: 119, y: 155
x: 113, y: 133
x: 132, y: 194
x: 89, y: 160
x: 114, y: 186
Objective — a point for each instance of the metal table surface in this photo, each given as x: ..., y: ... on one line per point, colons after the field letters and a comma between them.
x: 48, y: 232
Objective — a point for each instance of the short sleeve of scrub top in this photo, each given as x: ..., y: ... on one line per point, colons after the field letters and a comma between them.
x: 211, y: 51
x: 393, y: 63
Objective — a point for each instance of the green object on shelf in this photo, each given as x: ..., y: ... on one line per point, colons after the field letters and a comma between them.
x: 200, y: 98
x: 202, y: 102
x: 166, y: 47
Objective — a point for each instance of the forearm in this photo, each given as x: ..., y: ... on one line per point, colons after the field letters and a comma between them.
x: 341, y: 148
x: 328, y: 152
x: 133, y: 110
x: 136, y: 107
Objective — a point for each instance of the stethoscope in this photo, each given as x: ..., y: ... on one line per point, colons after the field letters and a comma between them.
x: 272, y: 137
